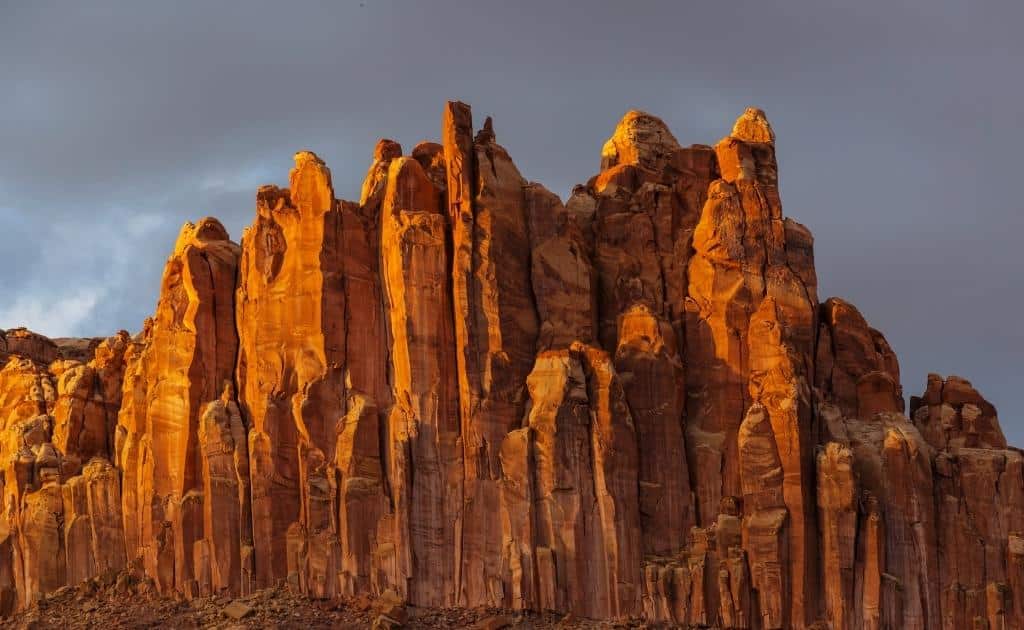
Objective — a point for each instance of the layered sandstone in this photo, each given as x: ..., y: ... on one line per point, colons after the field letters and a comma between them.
x: 461, y: 391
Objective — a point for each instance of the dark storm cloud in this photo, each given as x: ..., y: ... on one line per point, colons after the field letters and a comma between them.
x: 898, y: 128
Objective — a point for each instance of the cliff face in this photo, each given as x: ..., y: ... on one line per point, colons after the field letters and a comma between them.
x: 465, y: 391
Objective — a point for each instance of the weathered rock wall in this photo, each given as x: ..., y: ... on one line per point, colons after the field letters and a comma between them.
x: 467, y: 392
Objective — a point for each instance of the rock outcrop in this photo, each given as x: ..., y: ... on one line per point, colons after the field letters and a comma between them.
x: 290, y: 314
x: 460, y: 391
x: 43, y: 350
x: 174, y: 521
x: 423, y: 439
x: 61, y: 516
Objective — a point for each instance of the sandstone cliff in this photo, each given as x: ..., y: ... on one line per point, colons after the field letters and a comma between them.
x: 462, y: 390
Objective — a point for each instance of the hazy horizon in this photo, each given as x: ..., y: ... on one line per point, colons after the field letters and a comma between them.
x: 897, y: 133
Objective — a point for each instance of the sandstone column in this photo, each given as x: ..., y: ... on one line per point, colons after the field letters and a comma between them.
x: 425, y: 459
x: 185, y: 359
x: 290, y: 373
x: 496, y: 333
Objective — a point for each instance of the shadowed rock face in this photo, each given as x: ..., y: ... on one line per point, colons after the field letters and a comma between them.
x: 466, y: 392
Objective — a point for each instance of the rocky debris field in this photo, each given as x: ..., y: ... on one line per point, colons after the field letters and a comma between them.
x: 130, y: 600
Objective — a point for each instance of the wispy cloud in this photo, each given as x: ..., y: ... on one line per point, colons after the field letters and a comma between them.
x: 61, y: 317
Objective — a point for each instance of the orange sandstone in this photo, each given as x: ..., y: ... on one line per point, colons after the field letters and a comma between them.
x: 462, y: 391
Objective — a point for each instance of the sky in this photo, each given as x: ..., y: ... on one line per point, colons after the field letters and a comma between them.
x: 898, y: 124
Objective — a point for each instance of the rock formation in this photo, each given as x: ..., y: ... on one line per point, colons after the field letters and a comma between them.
x: 461, y: 391
x: 175, y: 374
x: 62, y: 518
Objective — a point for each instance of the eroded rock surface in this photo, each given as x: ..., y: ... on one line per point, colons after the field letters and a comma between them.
x: 461, y: 391
x: 61, y: 520
x: 183, y: 362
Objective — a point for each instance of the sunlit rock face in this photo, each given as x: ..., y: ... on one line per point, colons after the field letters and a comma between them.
x: 182, y: 362
x: 465, y: 391
x: 61, y: 520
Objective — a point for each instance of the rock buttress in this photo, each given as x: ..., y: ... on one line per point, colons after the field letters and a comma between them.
x: 750, y: 334
x: 575, y: 465
x: 496, y: 334
x: 291, y: 326
x: 424, y: 450
x: 646, y: 203
x: 184, y: 360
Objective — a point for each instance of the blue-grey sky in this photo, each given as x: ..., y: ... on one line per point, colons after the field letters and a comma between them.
x: 898, y: 124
